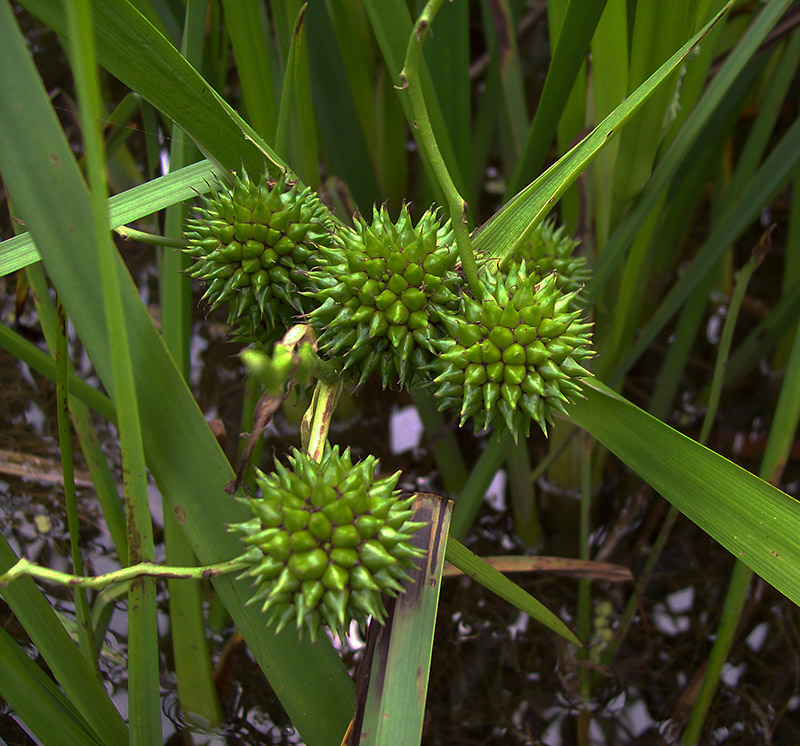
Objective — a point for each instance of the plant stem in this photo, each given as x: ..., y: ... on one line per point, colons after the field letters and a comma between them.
x: 143, y: 662
x: 471, y: 497
x: 523, y: 496
x: 320, y: 412
x: 585, y: 592
x: 442, y: 443
x: 194, y: 672
x: 131, y: 234
x: 426, y: 139
x: 82, y: 615
x: 25, y: 568
x: 781, y: 436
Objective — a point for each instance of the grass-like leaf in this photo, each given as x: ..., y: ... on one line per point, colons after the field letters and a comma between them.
x: 138, y: 202
x: 165, y: 79
x: 474, y: 567
x: 37, y: 701
x: 182, y: 454
x: 514, y: 223
x: 753, y: 520
x: 570, y: 52
x: 394, y: 710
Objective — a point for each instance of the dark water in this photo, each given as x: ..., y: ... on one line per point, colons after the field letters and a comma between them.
x: 496, y: 677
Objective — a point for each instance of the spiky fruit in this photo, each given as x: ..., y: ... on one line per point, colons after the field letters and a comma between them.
x: 327, y: 539
x: 548, y: 250
x: 254, y: 243
x: 388, y: 287
x: 515, y: 357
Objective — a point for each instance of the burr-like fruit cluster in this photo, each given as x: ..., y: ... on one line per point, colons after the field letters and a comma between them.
x: 388, y: 297
x: 326, y: 540
x: 254, y: 244
x: 387, y: 288
x: 514, y: 357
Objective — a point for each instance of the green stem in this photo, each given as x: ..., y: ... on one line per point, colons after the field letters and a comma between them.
x: 723, y: 641
x: 197, y: 692
x: 25, y: 568
x: 584, y: 585
x: 471, y: 497
x: 632, y: 605
x: 322, y: 405
x: 85, y: 636
x: 727, y: 335
x: 143, y: 676
x: 523, y: 496
x: 659, y: 409
x: 103, y: 480
x: 426, y: 139
x: 131, y: 234
x: 442, y: 443
x: 781, y: 436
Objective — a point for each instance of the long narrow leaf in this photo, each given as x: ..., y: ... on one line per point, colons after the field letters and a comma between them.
x: 661, y: 178
x: 398, y: 684
x: 569, y: 54
x: 195, y: 677
x: 144, y: 722
x: 519, y: 217
x: 774, y: 172
x: 244, y: 20
x: 753, y: 520
x: 37, y: 701
x: 69, y: 667
x: 477, y: 569
x: 182, y: 454
x: 165, y: 79
x: 136, y: 203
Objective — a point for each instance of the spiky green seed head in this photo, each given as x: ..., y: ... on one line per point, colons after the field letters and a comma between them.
x: 254, y: 244
x: 387, y: 289
x: 515, y: 357
x: 326, y: 541
x: 548, y: 250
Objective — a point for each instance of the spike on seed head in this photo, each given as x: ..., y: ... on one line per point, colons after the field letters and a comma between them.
x: 257, y: 242
x: 331, y: 566
x: 389, y: 281
x: 518, y: 357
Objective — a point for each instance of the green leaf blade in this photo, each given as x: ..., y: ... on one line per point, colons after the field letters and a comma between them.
x: 753, y: 520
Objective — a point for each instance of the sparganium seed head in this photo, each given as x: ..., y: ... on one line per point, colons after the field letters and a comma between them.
x: 548, y: 250
x: 254, y: 243
x: 382, y: 295
x: 514, y: 357
x: 324, y: 547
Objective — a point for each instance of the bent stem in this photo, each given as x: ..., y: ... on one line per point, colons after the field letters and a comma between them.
x: 25, y: 568
x: 456, y: 204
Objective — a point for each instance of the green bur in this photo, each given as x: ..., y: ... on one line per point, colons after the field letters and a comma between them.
x: 326, y: 541
x: 513, y: 358
x: 384, y: 293
x: 254, y: 244
x: 548, y: 250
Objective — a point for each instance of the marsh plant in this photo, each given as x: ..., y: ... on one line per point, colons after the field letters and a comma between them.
x: 386, y: 196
